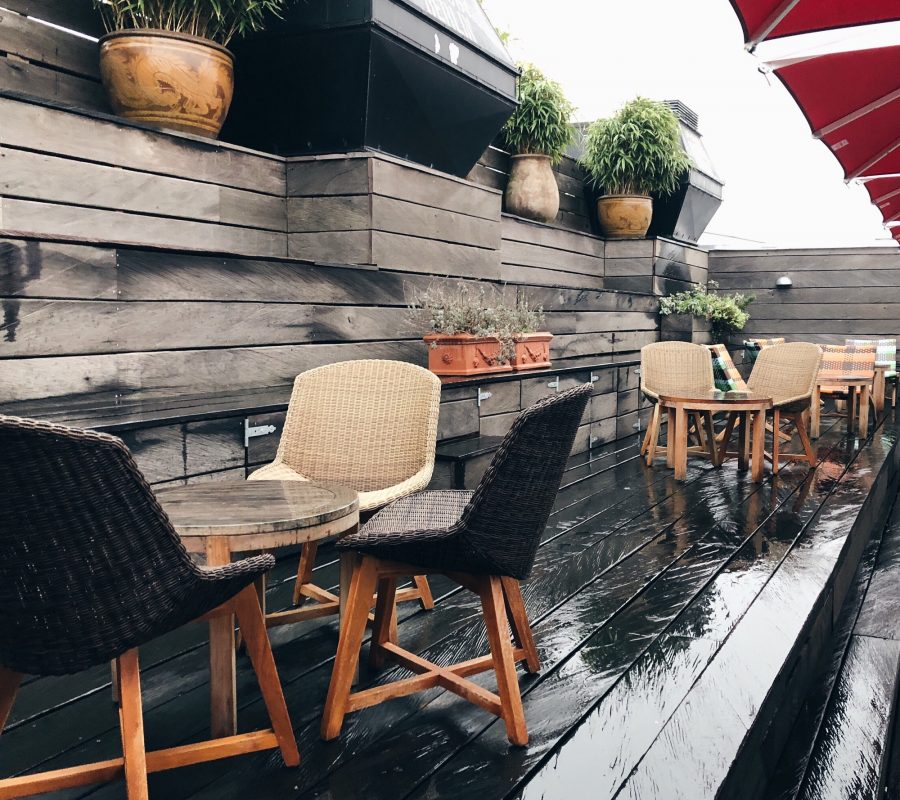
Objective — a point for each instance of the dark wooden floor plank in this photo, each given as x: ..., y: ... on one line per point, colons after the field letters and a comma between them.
x: 691, y: 766
x: 613, y: 594
x: 848, y: 761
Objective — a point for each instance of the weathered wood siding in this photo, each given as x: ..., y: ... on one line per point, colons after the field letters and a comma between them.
x: 50, y: 62
x: 835, y: 294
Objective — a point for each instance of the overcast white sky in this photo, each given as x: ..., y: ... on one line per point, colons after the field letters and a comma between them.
x: 782, y: 187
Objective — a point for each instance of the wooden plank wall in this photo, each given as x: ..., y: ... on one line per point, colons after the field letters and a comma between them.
x: 836, y: 293
x: 49, y: 62
x: 70, y: 175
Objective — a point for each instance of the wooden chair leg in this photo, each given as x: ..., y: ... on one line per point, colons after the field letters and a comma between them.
x: 711, y: 439
x: 518, y: 620
x: 800, y: 425
x: 502, y: 654
x: 353, y: 626
x: 776, y: 440
x: 653, y: 432
x: 253, y: 629
x: 646, y: 442
x: 384, y: 628
x: 131, y: 724
x: 425, y: 596
x: 9, y: 686
x: 726, y: 435
x: 305, y: 570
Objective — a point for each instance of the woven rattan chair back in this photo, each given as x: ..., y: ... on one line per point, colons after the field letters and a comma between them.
x: 885, y: 352
x: 367, y: 424
x: 676, y: 368
x: 725, y: 373
x: 753, y: 347
x: 87, y: 555
x: 509, y: 510
x: 841, y: 361
x: 786, y: 373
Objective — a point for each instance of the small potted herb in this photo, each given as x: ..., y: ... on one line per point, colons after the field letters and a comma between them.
x: 724, y: 314
x: 474, y: 332
x: 537, y: 135
x: 632, y: 155
x: 165, y: 62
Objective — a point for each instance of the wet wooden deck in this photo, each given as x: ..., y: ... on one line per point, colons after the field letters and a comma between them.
x: 667, y: 616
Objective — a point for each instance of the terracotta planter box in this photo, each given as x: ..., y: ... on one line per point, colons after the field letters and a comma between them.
x: 464, y: 354
x: 532, y: 351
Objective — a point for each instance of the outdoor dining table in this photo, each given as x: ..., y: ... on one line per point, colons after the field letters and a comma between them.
x: 853, y: 382
x: 221, y: 520
x: 746, y: 405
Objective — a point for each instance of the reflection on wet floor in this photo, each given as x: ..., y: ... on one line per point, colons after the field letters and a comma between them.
x: 667, y: 616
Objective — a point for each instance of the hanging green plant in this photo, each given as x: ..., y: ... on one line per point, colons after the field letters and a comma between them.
x: 726, y: 314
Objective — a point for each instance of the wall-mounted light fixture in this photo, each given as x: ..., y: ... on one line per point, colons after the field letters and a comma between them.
x: 784, y: 282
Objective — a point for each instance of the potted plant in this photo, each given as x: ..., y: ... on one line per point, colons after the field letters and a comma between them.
x: 165, y: 62
x: 725, y: 314
x: 537, y: 135
x: 532, y: 345
x: 474, y: 332
x: 630, y: 156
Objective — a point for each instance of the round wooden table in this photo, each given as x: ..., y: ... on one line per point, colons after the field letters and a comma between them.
x: 745, y: 405
x: 222, y: 519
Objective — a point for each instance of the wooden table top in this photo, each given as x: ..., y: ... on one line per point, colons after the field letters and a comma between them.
x: 255, y: 507
x: 717, y: 397
x: 843, y: 380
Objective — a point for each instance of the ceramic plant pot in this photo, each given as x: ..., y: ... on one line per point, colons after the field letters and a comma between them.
x: 532, y: 351
x: 463, y: 354
x: 624, y: 216
x: 531, y: 190
x: 168, y: 80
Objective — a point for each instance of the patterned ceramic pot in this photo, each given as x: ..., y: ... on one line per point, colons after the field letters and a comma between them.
x: 624, y: 216
x: 168, y: 80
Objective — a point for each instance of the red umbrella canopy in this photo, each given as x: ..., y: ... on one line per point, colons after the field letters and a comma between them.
x: 852, y: 103
x: 772, y: 19
x: 885, y: 194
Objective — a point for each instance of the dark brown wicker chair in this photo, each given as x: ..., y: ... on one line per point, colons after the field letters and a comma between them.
x: 485, y: 540
x: 90, y: 569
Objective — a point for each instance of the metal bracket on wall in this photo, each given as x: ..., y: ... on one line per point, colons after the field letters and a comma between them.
x: 554, y: 384
x: 593, y: 442
x: 252, y: 431
x: 482, y: 395
x: 594, y: 377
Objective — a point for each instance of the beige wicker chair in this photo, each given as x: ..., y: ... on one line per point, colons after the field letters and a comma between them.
x: 787, y: 373
x: 672, y: 368
x: 370, y: 425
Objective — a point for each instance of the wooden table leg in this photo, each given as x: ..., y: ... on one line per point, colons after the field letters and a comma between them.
x: 851, y: 408
x: 815, y: 414
x: 864, y: 411
x: 222, y: 668
x: 878, y: 390
x: 744, y: 441
x: 681, y: 434
x: 711, y: 438
x: 759, y: 445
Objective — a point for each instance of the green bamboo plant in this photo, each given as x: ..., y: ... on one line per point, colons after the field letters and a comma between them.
x: 217, y: 20
x: 541, y: 124
x: 637, y: 151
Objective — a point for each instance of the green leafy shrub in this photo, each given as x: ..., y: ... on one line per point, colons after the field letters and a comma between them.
x: 477, y: 310
x: 541, y: 124
x: 726, y: 314
x: 217, y: 20
x: 636, y: 151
